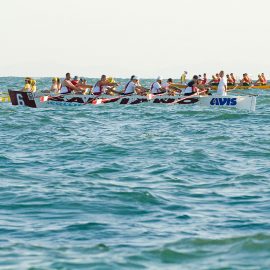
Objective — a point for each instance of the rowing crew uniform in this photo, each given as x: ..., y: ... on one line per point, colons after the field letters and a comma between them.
x: 204, y: 81
x: 246, y: 81
x: 262, y: 81
x: 65, y: 89
x: 98, y: 90
x: 75, y: 82
x: 156, y: 88
x: 27, y: 87
x: 130, y: 88
x: 230, y: 82
x: 221, y: 91
x: 191, y: 89
x: 216, y: 82
x: 33, y: 89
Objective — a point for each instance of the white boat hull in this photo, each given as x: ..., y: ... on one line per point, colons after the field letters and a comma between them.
x: 29, y: 99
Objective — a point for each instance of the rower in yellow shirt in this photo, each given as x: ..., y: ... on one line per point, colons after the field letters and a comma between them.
x: 183, y: 79
x: 33, y: 88
x: 27, y: 85
x: 110, y: 89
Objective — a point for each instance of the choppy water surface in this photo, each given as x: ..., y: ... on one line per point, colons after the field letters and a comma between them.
x: 134, y: 187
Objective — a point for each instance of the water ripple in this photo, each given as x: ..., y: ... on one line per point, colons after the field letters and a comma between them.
x: 134, y: 187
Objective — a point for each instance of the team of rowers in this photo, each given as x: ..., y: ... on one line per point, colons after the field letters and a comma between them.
x: 245, y: 81
x: 231, y: 79
x: 107, y: 85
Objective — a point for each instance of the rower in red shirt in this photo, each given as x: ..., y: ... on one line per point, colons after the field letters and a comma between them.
x: 218, y: 78
x: 246, y: 81
x: 264, y: 79
x: 214, y: 81
x: 75, y: 81
x: 233, y: 78
x: 260, y: 81
x: 229, y: 80
x: 204, y: 81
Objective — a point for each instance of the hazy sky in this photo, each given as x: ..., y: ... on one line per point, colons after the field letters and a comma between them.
x: 143, y: 37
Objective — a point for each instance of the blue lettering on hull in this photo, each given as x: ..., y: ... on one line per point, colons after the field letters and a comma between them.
x: 223, y: 101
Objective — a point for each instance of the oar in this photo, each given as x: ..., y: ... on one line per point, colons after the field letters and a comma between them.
x: 258, y: 86
x: 229, y: 90
x: 187, y: 97
x: 239, y: 92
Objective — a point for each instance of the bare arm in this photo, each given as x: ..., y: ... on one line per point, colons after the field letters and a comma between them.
x: 84, y: 86
x: 71, y: 86
x: 107, y: 84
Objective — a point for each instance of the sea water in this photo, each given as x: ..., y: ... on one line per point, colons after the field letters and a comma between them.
x: 134, y: 187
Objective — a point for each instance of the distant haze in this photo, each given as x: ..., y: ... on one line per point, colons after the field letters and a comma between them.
x: 143, y: 37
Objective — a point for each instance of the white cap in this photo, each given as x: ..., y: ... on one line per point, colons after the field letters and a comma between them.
x: 135, y: 78
x: 159, y: 78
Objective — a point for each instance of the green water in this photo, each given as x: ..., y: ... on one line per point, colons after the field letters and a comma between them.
x: 134, y: 187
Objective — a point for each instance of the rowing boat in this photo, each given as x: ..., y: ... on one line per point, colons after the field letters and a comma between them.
x: 230, y: 87
x: 30, y: 100
x: 242, y: 87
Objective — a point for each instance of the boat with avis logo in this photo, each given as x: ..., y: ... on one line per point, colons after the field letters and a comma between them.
x: 29, y: 99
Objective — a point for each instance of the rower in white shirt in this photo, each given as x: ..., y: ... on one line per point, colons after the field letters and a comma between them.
x: 222, y: 86
x: 156, y: 87
x: 134, y: 87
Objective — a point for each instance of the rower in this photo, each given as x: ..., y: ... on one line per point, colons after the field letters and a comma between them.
x: 170, y: 88
x: 100, y: 86
x: 33, y: 87
x: 166, y: 85
x: 192, y: 87
x: 260, y: 80
x: 217, y: 78
x: 82, y: 81
x: 233, y: 78
x: 54, y: 87
x: 156, y: 87
x: 183, y: 79
x: 264, y: 79
x: 110, y: 90
x: 131, y: 79
x: 83, y: 86
x: 75, y: 81
x: 229, y: 80
x: 203, y: 88
x: 246, y: 81
x: 214, y: 81
x: 27, y: 85
x: 67, y: 86
x: 222, y: 86
x: 133, y: 86
x: 204, y: 81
